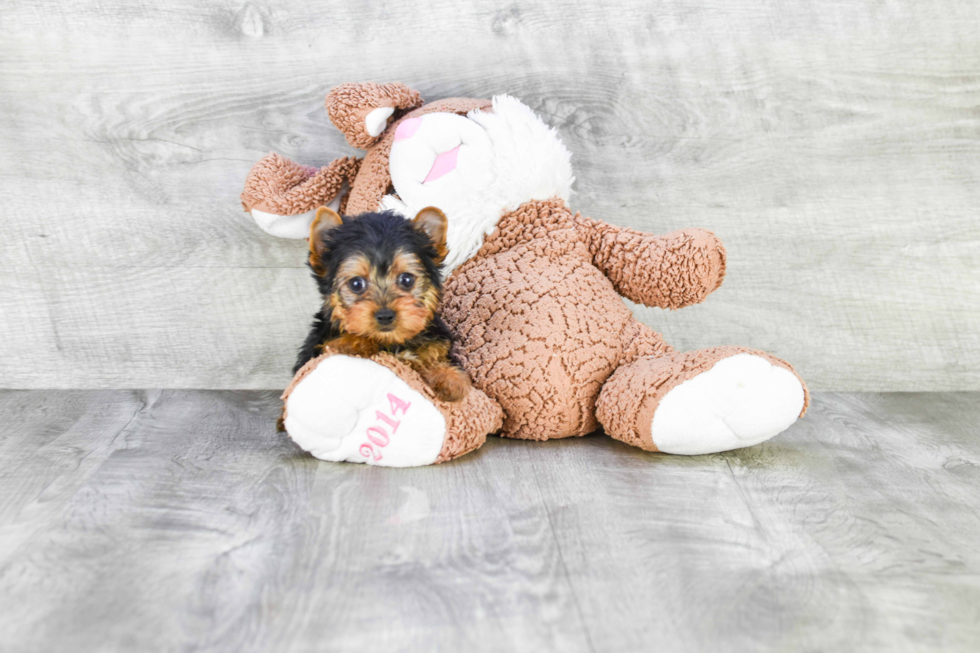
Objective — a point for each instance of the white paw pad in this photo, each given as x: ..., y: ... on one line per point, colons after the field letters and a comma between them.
x: 354, y: 410
x: 741, y: 401
x: 284, y: 226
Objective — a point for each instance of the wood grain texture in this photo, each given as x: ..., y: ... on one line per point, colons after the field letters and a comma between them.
x: 833, y: 146
x: 180, y: 520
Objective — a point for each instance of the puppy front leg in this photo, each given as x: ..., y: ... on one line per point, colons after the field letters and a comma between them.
x: 449, y: 382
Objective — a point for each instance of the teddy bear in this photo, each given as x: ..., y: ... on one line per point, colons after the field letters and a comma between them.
x: 533, y: 296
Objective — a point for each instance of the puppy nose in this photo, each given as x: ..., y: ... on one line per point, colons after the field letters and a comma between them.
x: 385, y: 316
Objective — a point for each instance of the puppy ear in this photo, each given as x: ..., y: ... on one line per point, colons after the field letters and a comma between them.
x: 325, y: 220
x: 363, y: 111
x: 434, y: 223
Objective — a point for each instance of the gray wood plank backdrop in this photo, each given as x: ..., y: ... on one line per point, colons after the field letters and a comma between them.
x: 834, y: 146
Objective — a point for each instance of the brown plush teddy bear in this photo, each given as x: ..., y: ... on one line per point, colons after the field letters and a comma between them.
x: 532, y: 293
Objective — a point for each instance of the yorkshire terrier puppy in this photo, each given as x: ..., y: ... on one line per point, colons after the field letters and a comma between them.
x: 379, y: 277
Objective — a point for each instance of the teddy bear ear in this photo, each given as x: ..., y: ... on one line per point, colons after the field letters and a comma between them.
x: 363, y: 111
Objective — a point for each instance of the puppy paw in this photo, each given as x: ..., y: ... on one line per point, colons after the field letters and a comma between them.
x: 449, y: 383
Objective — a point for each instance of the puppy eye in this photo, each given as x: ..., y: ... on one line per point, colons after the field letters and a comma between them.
x: 357, y: 285
x: 406, y: 280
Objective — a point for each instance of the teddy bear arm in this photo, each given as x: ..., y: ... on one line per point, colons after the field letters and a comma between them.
x: 277, y: 185
x: 282, y: 196
x: 668, y: 271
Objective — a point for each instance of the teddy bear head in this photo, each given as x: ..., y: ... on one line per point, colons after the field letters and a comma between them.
x: 473, y: 159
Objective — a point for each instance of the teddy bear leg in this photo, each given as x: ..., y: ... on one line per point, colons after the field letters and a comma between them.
x: 378, y: 411
x: 702, y: 401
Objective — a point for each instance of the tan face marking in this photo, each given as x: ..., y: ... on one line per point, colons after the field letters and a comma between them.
x: 414, y: 307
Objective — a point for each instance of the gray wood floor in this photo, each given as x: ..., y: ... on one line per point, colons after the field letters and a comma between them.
x: 180, y: 520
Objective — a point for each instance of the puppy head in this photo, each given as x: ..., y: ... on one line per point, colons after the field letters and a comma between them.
x: 378, y: 272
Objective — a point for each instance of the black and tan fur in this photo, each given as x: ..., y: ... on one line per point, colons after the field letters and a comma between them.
x: 379, y: 277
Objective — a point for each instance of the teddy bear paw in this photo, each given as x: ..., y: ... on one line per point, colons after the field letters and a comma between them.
x: 355, y: 410
x: 741, y: 401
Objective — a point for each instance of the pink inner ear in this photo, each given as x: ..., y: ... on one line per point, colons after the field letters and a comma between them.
x: 407, y: 129
x: 444, y: 164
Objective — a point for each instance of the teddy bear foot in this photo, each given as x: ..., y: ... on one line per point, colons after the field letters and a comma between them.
x: 703, y: 401
x: 377, y: 411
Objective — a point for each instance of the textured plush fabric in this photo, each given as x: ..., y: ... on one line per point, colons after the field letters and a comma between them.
x: 467, y: 422
x: 540, y: 323
x: 670, y: 271
x: 506, y: 156
x: 374, y: 179
x: 349, y: 104
x: 277, y: 185
x: 629, y: 399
